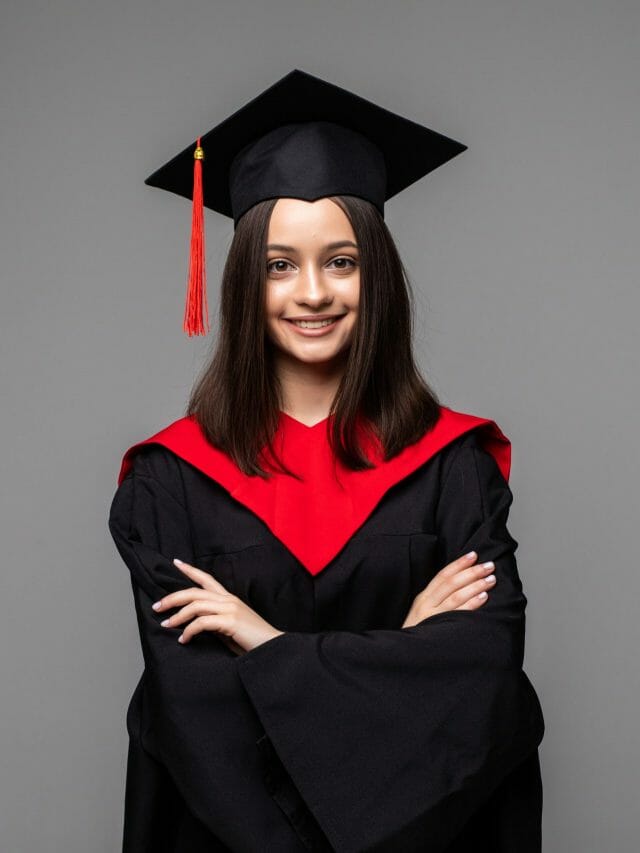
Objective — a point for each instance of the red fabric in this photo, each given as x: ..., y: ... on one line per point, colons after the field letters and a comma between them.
x: 314, y: 519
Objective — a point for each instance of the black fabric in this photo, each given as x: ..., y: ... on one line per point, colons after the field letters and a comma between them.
x: 304, y: 137
x: 309, y: 160
x: 347, y: 732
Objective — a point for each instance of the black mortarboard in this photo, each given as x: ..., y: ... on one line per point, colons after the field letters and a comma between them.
x: 300, y: 138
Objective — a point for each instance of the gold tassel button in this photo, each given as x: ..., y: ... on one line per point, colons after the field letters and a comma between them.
x: 198, y: 154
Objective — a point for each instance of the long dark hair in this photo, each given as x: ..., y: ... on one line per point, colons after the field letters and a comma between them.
x: 237, y: 398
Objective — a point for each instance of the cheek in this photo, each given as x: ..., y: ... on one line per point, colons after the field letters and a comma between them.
x: 352, y: 292
x: 277, y: 297
x: 345, y: 291
x: 275, y: 308
x: 270, y: 303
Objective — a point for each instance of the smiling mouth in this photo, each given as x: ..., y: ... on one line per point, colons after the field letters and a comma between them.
x: 315, y: 324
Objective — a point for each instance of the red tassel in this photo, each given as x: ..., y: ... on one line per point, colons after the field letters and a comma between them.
x: 196, y: 309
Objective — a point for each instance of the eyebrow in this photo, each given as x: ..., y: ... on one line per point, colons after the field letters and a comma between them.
x: 279, y: 247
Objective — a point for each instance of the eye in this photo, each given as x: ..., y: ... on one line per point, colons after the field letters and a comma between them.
x: 344, y: 263
x: 272, y: 263
x: 344, y: 266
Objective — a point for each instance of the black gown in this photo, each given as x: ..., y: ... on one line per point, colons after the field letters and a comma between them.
x: 347, y: 732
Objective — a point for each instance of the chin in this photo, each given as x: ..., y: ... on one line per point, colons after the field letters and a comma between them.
x: 310, y: 355
x: 313, y: 358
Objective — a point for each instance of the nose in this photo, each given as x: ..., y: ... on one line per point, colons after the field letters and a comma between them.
x: 311, y: 286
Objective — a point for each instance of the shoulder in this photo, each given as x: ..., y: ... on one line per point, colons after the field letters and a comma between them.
x: 157, y: 456
x: 468, y: 441
x: 471, y: 474
x: 474, y: 441
x: 155, y: 460
x: 159, y: 466
x: 460, y: 452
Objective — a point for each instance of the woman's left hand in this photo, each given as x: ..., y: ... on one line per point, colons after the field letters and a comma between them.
x: 215, y: 609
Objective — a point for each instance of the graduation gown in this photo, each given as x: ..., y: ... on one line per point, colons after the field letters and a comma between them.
x: 347, y: 732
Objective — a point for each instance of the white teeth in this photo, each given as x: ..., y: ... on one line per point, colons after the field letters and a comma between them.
x: 314, y: 324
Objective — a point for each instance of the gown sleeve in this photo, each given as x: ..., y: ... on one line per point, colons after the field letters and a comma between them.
x: 396, y: 737
x: 196, y: 721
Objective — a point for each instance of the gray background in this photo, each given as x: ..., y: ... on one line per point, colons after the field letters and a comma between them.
x: 523, y: 253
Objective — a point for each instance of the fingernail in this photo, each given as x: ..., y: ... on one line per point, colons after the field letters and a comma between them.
x: 471, y: 554
x: 156, y: 606
x: 164, y: 623
x: 482, y: 595
x: 180, y: 638
x: 177, y: 562
x: 488, y: 565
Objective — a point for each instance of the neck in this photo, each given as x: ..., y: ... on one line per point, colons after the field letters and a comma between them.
x: 308, y: 389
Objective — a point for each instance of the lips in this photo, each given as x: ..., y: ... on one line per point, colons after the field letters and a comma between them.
x: 314, y: 324
x: 314, y: 318
x: 315, y: 331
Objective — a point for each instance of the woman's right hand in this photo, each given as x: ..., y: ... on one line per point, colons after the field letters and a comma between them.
x: 459, y: 586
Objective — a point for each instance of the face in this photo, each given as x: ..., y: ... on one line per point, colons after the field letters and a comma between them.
x: 313, y: 273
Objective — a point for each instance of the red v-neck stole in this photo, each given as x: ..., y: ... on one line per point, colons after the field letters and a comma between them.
x: 314, y: 518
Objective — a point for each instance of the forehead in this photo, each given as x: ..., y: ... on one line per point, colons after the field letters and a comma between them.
x: 308, y: 221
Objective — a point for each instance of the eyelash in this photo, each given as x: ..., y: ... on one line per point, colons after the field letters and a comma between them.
x: 341, y: 258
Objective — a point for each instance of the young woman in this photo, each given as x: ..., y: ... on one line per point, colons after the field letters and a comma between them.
x: 328, y: 600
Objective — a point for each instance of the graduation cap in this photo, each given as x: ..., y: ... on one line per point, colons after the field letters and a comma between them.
x: 301, y: 138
